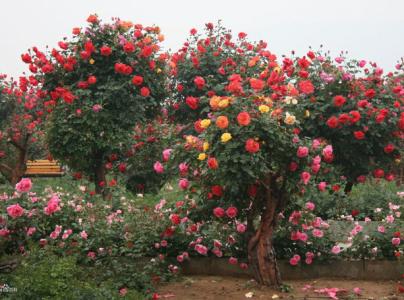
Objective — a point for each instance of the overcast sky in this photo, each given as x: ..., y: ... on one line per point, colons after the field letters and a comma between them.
x: 368, y: 29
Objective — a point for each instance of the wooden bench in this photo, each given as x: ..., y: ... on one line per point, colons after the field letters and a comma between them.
x: 43, y: 168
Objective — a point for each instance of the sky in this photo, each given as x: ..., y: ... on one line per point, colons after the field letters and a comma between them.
x: 368, y: 29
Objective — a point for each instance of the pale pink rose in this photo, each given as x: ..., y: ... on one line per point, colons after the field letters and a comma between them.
x: 357, y: 291
x: 316, y: 160
x: 322, y: 186
x: 54, y: 235
x: 160, y: 205
x: 395, y: 241
x: 295, y: 140
x: 231, y: 240
x: 302, y: 236
x: 328, y: 152
x: 163, y: 243
x: 305, y: 176
x: 362, y: 63
x: 183, y: 183
x: 15, y: 211
x: 367, y: 219
x: 167, y: 154
x: 316, y: 143
x: 158, y: 167
x: 390, y: 219
x: 83, y: 235
x: 241, y: 228
x: 339, y: 59
x: 318, y: 233
x: 24, y: 186
x: 302, y: 152
x: 310, y: 206
x: 309, y: 255
x: 91, y: 255
x: 336, y: 250
x: 308, y: 261
x: 317, y: 222
x: 233, y: 261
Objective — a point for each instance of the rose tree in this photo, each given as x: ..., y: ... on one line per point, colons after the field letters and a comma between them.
x: 100, y: 83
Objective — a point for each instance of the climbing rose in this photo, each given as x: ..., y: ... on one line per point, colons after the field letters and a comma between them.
x: 199, y: 82
x: 306, y: 87
x: 24, y: 186
x: 339, y: 100
x: 302, y: 152
x: 218, y: 212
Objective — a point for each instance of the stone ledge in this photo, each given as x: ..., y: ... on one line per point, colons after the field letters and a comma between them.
x: 360, y: 270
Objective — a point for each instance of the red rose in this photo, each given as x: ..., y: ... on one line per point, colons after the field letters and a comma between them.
x: 339, y: 100
x: 243, y: 118
x: 175, y: 219
x: 359, y: 135
x: 306, y: 87
x: 192, y: 102
x: 354, y: 212
x: 76, y: 31
x: 217, y: 190
x: 199, y: 82
x: 122, y: 167
x: 257, y: 84
x: 218, y: 212
x: 105, y: 51
x: 378, y: 173
x: 26, y: 58
x: 197, y: 126
x: 332, y: 122
x: 92, y: 80
x: 92, y: 19
x: 231, y: 212
x: 137, y: 80
x: 212, y: 163
x: 355, y: 116
x: 128, y: 47
x: 147, y: 51
x: 252, y: 146
x: 389, y: 148
x: 144, y: 91
x: 370, y: 93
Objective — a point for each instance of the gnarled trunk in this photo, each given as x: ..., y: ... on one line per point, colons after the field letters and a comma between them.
x: 261, y: 252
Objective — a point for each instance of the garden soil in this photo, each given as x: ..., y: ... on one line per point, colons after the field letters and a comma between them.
x: 237, y: 288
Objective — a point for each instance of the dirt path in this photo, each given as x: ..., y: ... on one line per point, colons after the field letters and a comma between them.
x: 236, y: 288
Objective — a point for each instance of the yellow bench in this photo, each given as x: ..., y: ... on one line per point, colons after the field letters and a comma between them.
x: 43, y: 168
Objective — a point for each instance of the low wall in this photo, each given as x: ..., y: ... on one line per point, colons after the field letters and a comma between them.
x: 360, y: 270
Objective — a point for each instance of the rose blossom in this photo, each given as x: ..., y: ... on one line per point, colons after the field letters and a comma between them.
x: 302, y: 152
x: 183, y: 183
x: 241, y: 228
x: 318, y: 233
x: 24, y: 186
x: 15, y: 211
x: 310, y: 206
x: 158, y: 167
x: 395, y: 241
x: 336, y: 250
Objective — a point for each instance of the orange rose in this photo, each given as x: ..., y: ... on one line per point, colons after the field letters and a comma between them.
x: 214, y: 102
x: 212, y: 163
x: 222, y: 122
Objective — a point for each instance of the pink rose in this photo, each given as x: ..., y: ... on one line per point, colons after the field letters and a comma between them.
x: 310, y: 206
x: 322, y: 186
x: 97, y: 108
x: 381, y: 229
x: 302, y: 152
x: 24, y: 186
x: 231, y: 212
x: 166, y: 154
x: 318, y: 233
x: 302, y: 236
x: 233, y: 261
x: 31, y: 231
x: 158, y: 167
x: 294, y: 260
x: 180, y: 258
x: 15, y: 211
x: 183, y: 167
x: 83, y: 235
x: 336, y: 250
x: 183, y: 183
x: 395, y: 241
x: 305, y: 176
x: 218, y: 212
x: 201, y: 249
x: 217, y: 252
x: 241, y: 228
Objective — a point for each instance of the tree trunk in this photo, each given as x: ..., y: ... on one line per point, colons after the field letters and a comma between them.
x: 261, y: 252
x: 20, y: 166
x: 99, y: 176
x: 348, y: 187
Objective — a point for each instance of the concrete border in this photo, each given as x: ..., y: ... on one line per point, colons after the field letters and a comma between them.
x: 360, y: 270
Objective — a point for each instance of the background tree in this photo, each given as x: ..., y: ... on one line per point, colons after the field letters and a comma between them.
x: 21, y: 127
x: 100, y: 84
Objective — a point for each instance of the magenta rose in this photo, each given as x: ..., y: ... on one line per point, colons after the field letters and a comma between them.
x: 15, y: 211
x: 24, y: 186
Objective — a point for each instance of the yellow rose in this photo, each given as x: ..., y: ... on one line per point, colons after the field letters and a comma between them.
x: 205, y: 123
x: 263, y: 108
x: 224, y: 103
x: 158, y: 70
x: 307, y: 113
x: 225, y: 137
x: 289, y: 119
x: 205, y: 146
x: 92, y: 61
x: 202, y: 156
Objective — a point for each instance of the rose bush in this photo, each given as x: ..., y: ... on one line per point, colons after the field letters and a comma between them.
x: 99, y: 84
